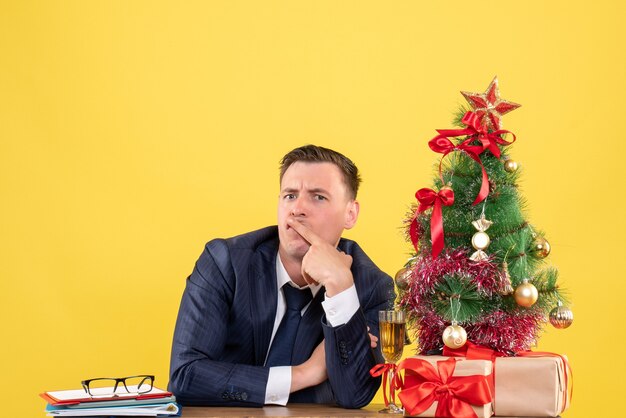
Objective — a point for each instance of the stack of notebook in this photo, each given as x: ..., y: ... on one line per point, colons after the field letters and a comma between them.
x: 74, y: 403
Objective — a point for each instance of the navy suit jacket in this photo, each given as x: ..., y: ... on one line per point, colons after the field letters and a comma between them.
x: 226, y: 318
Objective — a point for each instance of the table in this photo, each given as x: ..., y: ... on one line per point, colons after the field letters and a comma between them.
x: 293, y: 410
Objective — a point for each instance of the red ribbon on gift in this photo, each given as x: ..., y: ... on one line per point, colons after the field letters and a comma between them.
x: 384, y: 369
x: 474, y: 129
x: 454, y: 395
x: 429, y: 198
x: 472, y: 351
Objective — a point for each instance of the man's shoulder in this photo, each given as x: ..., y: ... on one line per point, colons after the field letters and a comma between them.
x: 248, y: 241
x: 360, y: 260
x: 354, y: 249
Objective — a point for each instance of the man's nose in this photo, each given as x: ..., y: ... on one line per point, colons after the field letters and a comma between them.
x: 299, y: 208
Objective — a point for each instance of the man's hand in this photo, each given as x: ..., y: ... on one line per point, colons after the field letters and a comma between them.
x: 310, y: 373
x: 373, y: 338
x: 324, y: 263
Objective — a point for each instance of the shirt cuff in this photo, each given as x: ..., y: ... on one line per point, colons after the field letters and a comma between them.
x: 341, y: 307
x: 278, y: 385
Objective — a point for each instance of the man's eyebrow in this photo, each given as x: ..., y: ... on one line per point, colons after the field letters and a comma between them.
x: 313, y: 190
x: 318, y: 190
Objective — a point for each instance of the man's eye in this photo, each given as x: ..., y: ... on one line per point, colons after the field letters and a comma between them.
x: 320, y: 197
x: 289, y: 196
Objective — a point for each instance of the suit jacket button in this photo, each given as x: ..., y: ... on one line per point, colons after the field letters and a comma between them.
x: 224, y: 395
x: 244, y: 396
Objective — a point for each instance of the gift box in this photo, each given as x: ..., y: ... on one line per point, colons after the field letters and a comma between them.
x: 532, y: 385
x: 435, y: 386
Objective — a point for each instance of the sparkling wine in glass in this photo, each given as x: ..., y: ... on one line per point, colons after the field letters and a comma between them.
x: 392, y: 335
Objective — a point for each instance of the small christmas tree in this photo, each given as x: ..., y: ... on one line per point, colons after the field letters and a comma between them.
x: 478, y: 271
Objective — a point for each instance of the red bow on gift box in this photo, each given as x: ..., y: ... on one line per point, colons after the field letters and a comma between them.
x: 454, y: 395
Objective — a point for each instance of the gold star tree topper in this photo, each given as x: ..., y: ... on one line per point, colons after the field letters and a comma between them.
x: 488, y: 106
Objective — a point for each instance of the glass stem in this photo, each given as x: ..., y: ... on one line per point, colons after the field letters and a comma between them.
x: 392, y: 400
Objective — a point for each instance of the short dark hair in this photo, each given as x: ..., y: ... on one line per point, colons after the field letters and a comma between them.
x: 316, y: 154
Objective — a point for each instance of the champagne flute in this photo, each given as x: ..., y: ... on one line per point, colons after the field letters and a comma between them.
x: 392, y: 335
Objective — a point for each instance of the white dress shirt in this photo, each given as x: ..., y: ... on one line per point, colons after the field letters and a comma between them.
x: 339, y: 309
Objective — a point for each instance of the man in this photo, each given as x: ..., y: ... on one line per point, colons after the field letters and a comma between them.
x: 240, y: 338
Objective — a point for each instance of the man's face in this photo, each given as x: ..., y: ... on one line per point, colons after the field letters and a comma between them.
x: 316, y: 195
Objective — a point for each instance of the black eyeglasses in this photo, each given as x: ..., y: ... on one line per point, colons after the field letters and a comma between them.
x: 110, y: 386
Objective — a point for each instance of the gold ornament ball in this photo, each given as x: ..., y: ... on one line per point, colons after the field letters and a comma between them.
x: 561, y: 317
x: 481, y: 240
x: 526, y: 294
x: 541, y: 247
x: 402, y: 278
x: 454, y: 336
x: 510, y: 166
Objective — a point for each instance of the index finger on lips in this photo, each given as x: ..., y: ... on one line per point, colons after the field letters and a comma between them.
x: 304, y: 231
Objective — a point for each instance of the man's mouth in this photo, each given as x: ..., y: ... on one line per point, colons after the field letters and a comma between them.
x: 290, y: 227
x: 292, y: 231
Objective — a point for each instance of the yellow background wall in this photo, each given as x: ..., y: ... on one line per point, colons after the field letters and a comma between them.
x: 132, y: 132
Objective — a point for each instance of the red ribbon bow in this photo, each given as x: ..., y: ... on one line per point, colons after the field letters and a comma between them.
x: 445, y: 146
x: 384, y: 370
x: 454, y: 395
x: 429, y: 198
x: 489, y: 140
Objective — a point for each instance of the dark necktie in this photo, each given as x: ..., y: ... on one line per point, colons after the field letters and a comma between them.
x: 282, y: 346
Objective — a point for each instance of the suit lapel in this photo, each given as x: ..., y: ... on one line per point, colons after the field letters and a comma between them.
x: 263, y: 297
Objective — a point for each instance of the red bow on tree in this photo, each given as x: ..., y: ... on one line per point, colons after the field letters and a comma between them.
x: 454, y: 395
x: 443, y: 145
x: 489, y: 140
x: 475, y: 130
x: 429, y: 198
